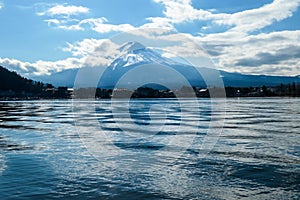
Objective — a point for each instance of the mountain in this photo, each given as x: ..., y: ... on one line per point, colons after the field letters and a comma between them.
x: 244, y: 80
x: 64, y: 78
x: 12, y: 84
x: 10, y: 80
x: 134, y: 53
x: 138, y: 63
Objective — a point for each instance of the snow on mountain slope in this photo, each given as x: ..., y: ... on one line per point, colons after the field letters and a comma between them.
x: 133, y: 53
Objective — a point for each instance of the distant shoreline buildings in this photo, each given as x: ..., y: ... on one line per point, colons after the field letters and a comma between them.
x: 15, y: 87
x: 289, y: 90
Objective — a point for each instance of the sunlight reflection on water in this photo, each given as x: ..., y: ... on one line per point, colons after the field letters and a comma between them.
x: 257, y: 155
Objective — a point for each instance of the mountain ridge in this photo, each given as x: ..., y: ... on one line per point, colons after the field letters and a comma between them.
x: 133, y: 54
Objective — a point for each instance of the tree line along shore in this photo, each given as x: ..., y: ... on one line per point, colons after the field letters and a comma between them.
x: 16, y: 87
x: 49, y: 92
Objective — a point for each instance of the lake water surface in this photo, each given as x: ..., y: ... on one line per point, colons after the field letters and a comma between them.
x: 159, y: 149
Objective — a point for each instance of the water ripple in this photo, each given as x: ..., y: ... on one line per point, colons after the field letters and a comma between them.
x: 256, y: 156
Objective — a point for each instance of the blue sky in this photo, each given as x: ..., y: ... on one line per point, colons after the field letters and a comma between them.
x: 249, y: 36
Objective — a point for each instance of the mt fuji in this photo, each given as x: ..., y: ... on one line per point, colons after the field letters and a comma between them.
x: 134, y: 55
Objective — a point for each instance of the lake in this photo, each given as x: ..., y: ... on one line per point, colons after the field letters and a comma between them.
x: 247, y: 148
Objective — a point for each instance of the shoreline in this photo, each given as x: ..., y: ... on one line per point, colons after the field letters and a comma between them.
x: 146, y: 98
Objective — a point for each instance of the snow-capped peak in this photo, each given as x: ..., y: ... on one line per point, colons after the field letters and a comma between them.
x: 130, y: 47
x: 134, y: 53
x: 132, y: 59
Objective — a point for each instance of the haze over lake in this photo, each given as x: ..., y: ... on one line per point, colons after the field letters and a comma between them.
x: 256, y: 156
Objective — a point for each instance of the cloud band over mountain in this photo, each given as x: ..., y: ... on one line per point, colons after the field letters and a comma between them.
x: 246, y: 37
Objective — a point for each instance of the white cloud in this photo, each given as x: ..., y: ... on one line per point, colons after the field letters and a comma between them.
x: 178, y: 11
x: 251, y: 20
x: 94, y: 52
x: 88, y: 52
x: 99, y: 25
x: 232, y: 50
x: 158, y: 22
x: 103, y: 54
x: 276, y: 53
x: 1, y: 5
x: 16, y: 65
x: 64, y: 10
x: 106, y: 28
x: 52, y: 22
x: 84, y: 47
x: 62, y: 16
x: 40, y: 67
